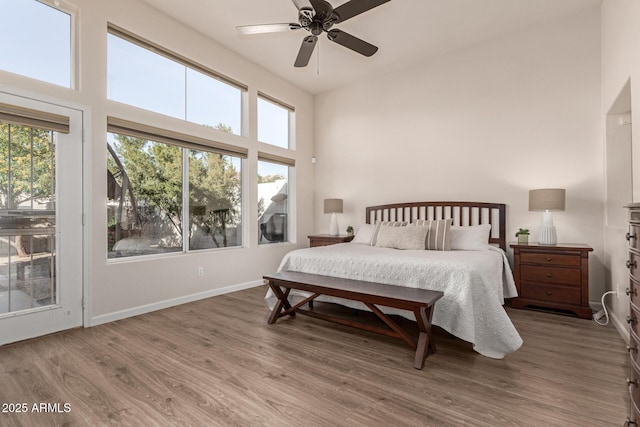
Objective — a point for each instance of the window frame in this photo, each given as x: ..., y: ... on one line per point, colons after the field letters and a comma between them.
x: 155, y: 48
x: 290, y: 120
x: 186, y: 143
x: 72, y: 11
x: 291, y: 220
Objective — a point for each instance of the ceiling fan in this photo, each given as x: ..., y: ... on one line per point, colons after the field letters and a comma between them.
x: 318, y: 16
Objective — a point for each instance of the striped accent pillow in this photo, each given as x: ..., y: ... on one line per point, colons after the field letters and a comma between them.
x: 439, y: 235
x: 374, y: 238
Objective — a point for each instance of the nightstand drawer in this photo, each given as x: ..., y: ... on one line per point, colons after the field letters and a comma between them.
x: 316, y: 243
x: 566, y: 276
x: 550, y: 293
x: 550, y: 259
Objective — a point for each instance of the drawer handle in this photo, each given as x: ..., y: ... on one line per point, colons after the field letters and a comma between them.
x: 628, y: 422
x: 633, y: 264
x: 628, y: 292
x: 548, y: 292
x: 549, y: 275
x: 630, y: 381
x: 630, y: 236
x: 630, y: 320
x: 630, y: 349
x: 549, y: 259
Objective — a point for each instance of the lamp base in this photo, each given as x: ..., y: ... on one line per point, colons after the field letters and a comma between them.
x: 547, y: 234
x: 334, y: 230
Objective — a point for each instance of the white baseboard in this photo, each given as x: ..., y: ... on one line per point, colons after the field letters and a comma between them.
x: 135, y: 311
x: 621, y: 326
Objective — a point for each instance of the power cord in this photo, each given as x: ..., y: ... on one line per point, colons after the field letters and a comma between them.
x: 597, y: 316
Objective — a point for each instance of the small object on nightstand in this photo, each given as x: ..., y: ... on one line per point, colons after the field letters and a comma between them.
x: 553, y: 277
x: 327, y: 239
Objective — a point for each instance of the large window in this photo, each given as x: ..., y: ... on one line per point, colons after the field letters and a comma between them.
x: 36, y: 41
x: 274, y: 121
x: 273, y: 198
x: 167, y: 194
x: 169, y: 84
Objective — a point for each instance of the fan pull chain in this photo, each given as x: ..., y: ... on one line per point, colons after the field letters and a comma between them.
x: 318, y: 60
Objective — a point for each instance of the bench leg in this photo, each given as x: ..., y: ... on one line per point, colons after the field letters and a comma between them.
x: 425, y: 340
x: 283, y: 302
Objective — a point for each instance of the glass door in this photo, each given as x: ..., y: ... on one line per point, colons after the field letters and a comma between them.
x: 40, y: 219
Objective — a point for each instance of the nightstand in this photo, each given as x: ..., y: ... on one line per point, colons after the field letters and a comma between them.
x: 554, y: 277
x: 327, y: 239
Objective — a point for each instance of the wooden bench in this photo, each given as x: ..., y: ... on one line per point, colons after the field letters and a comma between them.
x: 419, y: 301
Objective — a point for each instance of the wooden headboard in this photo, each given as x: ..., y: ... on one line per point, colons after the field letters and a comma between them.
x: 463, y: 214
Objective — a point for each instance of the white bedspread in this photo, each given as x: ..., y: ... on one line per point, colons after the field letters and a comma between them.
x: 474, y: 283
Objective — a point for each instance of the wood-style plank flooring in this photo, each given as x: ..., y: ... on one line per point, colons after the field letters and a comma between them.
x: 216, y: 362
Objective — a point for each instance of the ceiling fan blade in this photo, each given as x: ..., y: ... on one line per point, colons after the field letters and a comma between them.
x: 355, y: 7
x: 266, y: 28
x: 304, y: 54
x: 302, y: 4
x: 322, y: 7
x: 352, y: 42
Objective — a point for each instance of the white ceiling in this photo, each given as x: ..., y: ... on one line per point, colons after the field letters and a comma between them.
x: 404, y: 30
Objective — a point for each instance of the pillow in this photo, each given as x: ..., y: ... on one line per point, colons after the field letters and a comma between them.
x: 438, y: 234
x: 364, y: 235
x: 471, y: 238
x: 402, y: 237
x: 367, y: 233
x: 386, y: 224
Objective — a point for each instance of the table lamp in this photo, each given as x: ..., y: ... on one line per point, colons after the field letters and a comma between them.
x: 333, y: 206
x: 547, y: 200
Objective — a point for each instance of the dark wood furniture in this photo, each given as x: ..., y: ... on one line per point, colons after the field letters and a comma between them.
x: 419, y: 301
x: 463, y: 214
x: 327, y: 239
x: 552, y: 277
x: 633, y: 291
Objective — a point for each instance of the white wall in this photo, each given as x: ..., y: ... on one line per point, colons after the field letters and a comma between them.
x: 118, y: 289
x: 621, y: 64
x: 484, y: 124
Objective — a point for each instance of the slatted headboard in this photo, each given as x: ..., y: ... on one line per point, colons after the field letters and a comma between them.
x: 463, y: 214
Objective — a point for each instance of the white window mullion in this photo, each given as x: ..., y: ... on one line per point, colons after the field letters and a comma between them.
x: 186, y: 220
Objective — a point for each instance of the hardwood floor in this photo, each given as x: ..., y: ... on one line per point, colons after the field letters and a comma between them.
x: 217, y: 362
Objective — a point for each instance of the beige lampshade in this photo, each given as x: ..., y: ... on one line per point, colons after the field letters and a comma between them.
x: 332, y: 205
x: 547, y: 199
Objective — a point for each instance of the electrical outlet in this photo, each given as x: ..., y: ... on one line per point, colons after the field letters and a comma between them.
x: 200, y: 271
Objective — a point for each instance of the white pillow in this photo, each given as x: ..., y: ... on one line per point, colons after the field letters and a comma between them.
x: 368, y: 233
x: 402, y: 237
x: 470, y: 238
x: 364, y: 235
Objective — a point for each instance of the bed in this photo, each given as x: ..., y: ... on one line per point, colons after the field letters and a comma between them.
x: 475, y: 277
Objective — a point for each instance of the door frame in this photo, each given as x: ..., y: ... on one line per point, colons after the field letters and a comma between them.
x: 86, y: 156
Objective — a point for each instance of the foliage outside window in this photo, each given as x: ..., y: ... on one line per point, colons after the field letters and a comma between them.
x: 146, y: 209
x: 145, y: 79
x: 273, y: 202
x: 214, y: 200
x: 273, y: 123
x: 27, y: 217
x: 36, y: 41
